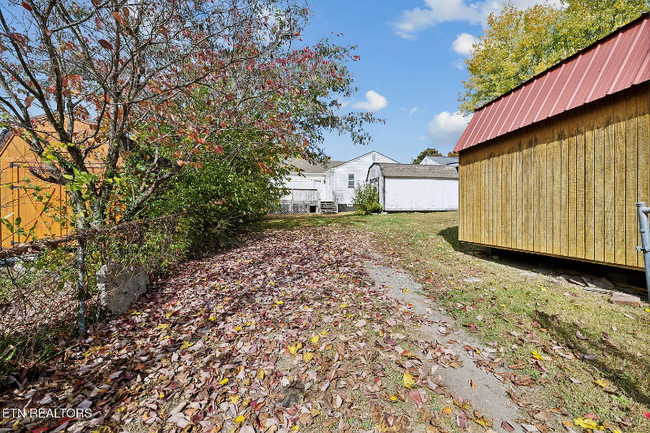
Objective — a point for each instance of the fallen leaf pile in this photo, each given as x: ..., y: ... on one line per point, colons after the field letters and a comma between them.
x: 284, y: 332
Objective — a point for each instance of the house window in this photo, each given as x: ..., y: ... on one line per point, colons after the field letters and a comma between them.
x: 350, y: 180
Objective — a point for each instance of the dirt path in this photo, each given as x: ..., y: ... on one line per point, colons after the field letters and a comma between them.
x: 484, y: 390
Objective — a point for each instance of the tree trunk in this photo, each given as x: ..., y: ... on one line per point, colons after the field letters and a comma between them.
x: 77, y: 201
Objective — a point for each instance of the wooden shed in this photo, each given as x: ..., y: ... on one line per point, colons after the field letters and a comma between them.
x: 17, y: 196
x: 556, y: 165
x: 415, y: 188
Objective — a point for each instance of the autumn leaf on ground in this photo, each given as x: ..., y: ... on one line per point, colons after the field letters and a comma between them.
x: 415, y: 397
x: 537, y: 355
x: 586, y: 423
x: 601, y: 383
x: 408, y: 379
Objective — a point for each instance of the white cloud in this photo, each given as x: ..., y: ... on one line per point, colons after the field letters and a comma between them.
x: 463, y: 44
x: 459, y: 64
x: 343, y: 103
x: 374, y: 102
x: 411, y: 110
x: 435, y: 12
x: 446, y: 128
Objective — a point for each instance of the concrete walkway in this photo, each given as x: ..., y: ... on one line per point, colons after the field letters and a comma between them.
x: 489, y: 395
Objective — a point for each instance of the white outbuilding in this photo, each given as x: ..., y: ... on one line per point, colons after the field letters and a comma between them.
x: 415, y: 188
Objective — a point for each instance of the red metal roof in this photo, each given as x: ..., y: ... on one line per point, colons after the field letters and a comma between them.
x: 614, y: 63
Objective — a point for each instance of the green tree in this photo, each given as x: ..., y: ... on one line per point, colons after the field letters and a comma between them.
x: 518, y: 44
x: 431, y: 151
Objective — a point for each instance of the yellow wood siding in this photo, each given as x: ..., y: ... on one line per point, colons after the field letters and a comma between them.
x: 16, y: 201
x: 567, y: 186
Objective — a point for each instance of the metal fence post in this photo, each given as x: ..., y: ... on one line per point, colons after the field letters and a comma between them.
x: 643, y: 211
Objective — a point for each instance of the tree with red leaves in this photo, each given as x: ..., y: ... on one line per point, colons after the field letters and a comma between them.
x: 161, y: 83
x: 164, y: 81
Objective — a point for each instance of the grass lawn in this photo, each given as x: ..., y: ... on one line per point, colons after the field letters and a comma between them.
x: 588, y: 357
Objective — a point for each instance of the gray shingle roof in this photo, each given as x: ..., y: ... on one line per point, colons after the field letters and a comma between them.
x: 418, y: 171
x: 308, y: 167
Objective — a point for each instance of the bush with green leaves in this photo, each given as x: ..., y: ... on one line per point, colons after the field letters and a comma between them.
x: 366, y: 199
x: 220, y: 198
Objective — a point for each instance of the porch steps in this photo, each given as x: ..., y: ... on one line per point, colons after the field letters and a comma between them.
x: 328, y: 207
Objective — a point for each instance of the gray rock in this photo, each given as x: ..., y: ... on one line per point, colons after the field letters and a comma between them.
x: 472, y: 280
x: 120, y: 286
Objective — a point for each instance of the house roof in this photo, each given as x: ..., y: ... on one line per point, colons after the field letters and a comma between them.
x: 441, y: 160
x: 417, y: 171
x: 614, y: 63
x: 308, y: 167
x: 365, y: 154
x: 5, y: 135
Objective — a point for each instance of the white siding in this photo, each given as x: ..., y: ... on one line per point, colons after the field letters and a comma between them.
x: 306, y: 181
x: 357, y: 166
x: 401, y: 194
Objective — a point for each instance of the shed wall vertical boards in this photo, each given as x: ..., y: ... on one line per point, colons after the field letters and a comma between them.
x: 45, y: 211
x: 566, y: 186
x: 17, y: 199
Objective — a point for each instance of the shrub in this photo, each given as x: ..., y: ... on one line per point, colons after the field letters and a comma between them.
x: 366, y: 199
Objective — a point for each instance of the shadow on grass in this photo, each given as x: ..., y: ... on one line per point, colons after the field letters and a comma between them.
x: 615, y: 363
x: 450, y: 234
x: 546, y: 265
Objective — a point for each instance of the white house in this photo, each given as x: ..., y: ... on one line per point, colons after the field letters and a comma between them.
x: 327, y: 187
x: 450, y: 161
x: 307, y: 175
x: 415, y: 187
x: 341, y: 179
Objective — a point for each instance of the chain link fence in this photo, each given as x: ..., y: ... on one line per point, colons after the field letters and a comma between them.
x: 40, y: 282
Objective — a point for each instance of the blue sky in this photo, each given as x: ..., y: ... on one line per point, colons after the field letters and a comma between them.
x: 412, y: 54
